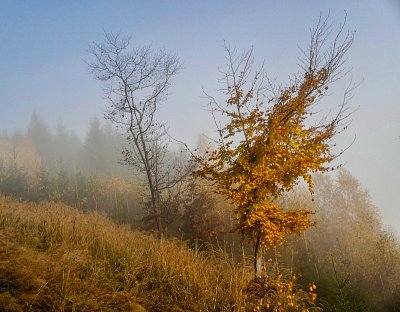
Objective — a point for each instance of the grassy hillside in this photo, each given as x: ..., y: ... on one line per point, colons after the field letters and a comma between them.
x: 57, y: 258
x: 53, y: 257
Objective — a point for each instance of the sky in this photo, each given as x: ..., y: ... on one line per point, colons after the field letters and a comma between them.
x: 44, y: 50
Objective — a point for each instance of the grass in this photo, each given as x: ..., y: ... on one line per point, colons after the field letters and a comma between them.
x: 56, y: 258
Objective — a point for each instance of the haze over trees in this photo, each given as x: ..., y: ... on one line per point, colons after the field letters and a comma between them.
x: 220, y: 243
x: 350, y: 255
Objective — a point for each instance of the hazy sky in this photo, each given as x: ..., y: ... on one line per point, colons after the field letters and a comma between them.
x: 43, y: 45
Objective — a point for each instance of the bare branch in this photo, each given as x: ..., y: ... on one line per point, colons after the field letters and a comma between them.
x: 136, y: 81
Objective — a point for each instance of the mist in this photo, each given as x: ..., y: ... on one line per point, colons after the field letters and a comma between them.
x: 112, y: 109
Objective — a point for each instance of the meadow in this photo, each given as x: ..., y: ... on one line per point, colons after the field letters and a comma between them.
x: 56, y: 258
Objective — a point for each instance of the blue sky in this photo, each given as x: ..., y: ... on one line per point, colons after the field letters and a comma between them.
x: 44, y: 45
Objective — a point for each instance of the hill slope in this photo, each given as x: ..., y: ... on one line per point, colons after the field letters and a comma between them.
x: 55, y: 258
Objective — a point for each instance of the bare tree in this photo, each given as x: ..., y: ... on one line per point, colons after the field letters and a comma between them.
x: 136, y: 82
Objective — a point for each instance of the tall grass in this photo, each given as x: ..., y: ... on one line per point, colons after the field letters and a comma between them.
x: 53, y: 257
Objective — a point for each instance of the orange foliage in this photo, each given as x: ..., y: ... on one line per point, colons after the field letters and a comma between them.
x: 276, y: 147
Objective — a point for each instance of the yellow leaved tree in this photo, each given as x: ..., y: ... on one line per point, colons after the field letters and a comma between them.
x: 272, y: 136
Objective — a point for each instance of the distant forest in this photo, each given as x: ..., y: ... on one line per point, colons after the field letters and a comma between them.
x: 38, y: 164
x: 40, y: 148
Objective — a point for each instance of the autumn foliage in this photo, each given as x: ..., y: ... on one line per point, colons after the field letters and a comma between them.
x: 268, y: 143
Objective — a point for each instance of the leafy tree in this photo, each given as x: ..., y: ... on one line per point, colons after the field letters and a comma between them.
x: 42, y: 184
x: 13, y: 181
x: 349, y: 243
x: 269, y: 142
x: 80, y: 194
x: 59, y: 184
x: 24, y: 154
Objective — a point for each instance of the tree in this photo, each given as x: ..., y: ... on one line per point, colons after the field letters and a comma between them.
x: 94, y: 149
x: 138, y: 81
x: 201, y: 220
x: 349, y: 253
x: 351, y: 232
x: 270, y: 139
x: 67, y: 146
x: 41, y: 137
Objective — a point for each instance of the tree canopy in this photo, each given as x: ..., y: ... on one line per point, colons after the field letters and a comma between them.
x: 269, y: 142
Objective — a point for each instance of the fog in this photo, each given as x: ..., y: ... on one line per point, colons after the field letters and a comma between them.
x: 44, y: 71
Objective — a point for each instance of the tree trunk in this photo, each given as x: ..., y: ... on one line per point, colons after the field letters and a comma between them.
x: 155, y: 203
x: 258, y: 258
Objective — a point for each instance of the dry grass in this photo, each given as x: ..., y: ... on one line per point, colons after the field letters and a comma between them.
x: 55, y: 258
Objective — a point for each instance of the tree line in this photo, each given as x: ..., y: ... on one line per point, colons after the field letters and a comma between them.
x: 39, y: 147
